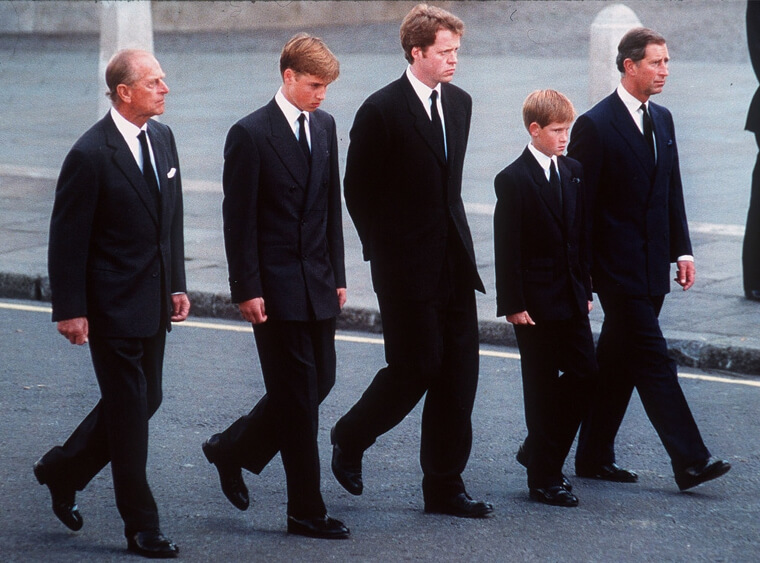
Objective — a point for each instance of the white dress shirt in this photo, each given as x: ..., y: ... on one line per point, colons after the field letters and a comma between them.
x: 423, y: 92
x: 130, y: 131
x: 292, y: 113
x: 544, y: 161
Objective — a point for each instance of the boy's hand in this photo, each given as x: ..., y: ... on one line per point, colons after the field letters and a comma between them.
x: 522, y: 318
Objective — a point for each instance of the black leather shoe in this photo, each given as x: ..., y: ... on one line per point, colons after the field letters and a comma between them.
x: 752, y: 294
x: 230, y: 476
x: 346, y: 468
x: 697, y: 474
x: 323, y: 528
x: 64, y: 500
x: 152, y: 544
x: 612, y: 472
x: 522, y: 458
x: 460, y: 505
x: 556, y: 496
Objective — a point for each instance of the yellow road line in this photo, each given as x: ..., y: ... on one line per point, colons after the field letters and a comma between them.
x: 377, y: 340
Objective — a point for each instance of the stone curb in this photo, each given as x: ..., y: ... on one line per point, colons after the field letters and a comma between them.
x: 720, y: 353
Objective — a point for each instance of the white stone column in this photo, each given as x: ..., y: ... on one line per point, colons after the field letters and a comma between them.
x: 607, y: 30
x: 123, y: 25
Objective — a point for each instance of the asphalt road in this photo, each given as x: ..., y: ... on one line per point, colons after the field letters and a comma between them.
x: 211, y: 377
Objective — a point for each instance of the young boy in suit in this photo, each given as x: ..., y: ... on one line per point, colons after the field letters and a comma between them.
x: 543, y: 287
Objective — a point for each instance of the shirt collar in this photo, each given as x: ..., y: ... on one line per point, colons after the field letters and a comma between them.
x: 543, y: 160
x: 291, y: 112
x: 127, y: 129
x: 630, y: 101
x: 422, y: 90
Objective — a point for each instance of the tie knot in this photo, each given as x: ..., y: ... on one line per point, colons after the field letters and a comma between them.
x: 434, y: 96
x: 302, y: 118
x: 643, y: 108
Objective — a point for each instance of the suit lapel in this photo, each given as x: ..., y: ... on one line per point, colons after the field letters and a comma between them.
x: 623, y: 123
x: 542, y: 185
x: 284, y: 143
x: 161, y: 154
x: 662, y: 138
x: 422, y: 122
x: 125, y: 161
x: 569, y: 193
x: 319, y: 158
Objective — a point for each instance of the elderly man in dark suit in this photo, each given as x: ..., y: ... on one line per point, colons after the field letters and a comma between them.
x: 403, y: 191
x: 627, y: 146
x: 117, y: 278
x: 284, y: 240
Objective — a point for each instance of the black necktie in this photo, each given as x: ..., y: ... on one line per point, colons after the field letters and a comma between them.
x: 148, y: 172
x: 648, y: 134
x: 302, y: 140
x: 555, y: 183
x: 436, y: 119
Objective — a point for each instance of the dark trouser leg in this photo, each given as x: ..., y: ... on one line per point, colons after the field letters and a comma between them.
x: 129, y: 374
x: 610, y: 398
x: 554, y: 403
x: 298, y: 364
x: 447, y: 417
x: 654, y: 375
x: 751, y: 246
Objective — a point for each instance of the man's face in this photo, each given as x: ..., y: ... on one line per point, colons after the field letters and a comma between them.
x: 647, y: 76
x: 552, y: 139
x: 145, y: 97
x: 303, y: 90
x: 438, y: 62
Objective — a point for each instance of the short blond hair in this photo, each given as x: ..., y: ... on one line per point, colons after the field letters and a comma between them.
x: 306, y: 54
x: 545, y: 107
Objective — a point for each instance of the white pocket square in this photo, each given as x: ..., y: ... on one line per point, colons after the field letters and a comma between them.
x: 171, y: 173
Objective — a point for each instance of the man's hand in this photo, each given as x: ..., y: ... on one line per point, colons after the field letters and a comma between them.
x: 180, y: 307
x: 590, y: 306
x: 75, y: 330
x: 522, y: 318
x: 686, y: 274
x: 341, y: 296
x: 253, y: 310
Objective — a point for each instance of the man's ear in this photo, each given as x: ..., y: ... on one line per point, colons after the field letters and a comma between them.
x: 533, y: 129
x: 124, y: 94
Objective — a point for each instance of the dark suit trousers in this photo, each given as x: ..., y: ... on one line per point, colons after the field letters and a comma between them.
x: 129, y: 373
x: 298, y: 363
x: 632, y: 352
x: 751, y: 246
x: 430, y: 346
x: 558, y: 374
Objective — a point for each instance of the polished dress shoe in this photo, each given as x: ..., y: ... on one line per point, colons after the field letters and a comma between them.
x: 522, y: 458
x: 697, y: 474
x: 346, y: 468
x: 325, y: 528
x: 609, y: 472
x: 460, y: 505
x: 230, y: 476
x: 64, y: 499
x: 752, y: 294
x: 555, y: 496
x: 152, y: 544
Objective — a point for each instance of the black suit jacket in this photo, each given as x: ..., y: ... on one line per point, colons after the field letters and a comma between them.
x: 541, y: 250
x: 753, y: 43
x: 639, y: 221
x: 283, y: 230
x: 114, y: 255
x: 403, y: 195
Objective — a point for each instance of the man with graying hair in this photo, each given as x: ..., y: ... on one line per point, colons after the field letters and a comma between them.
x: 627, y: 145
x: 117, y: 280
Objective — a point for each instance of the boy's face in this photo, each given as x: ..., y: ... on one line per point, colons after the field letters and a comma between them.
x: 303, y: 90
x: 552, y: 139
